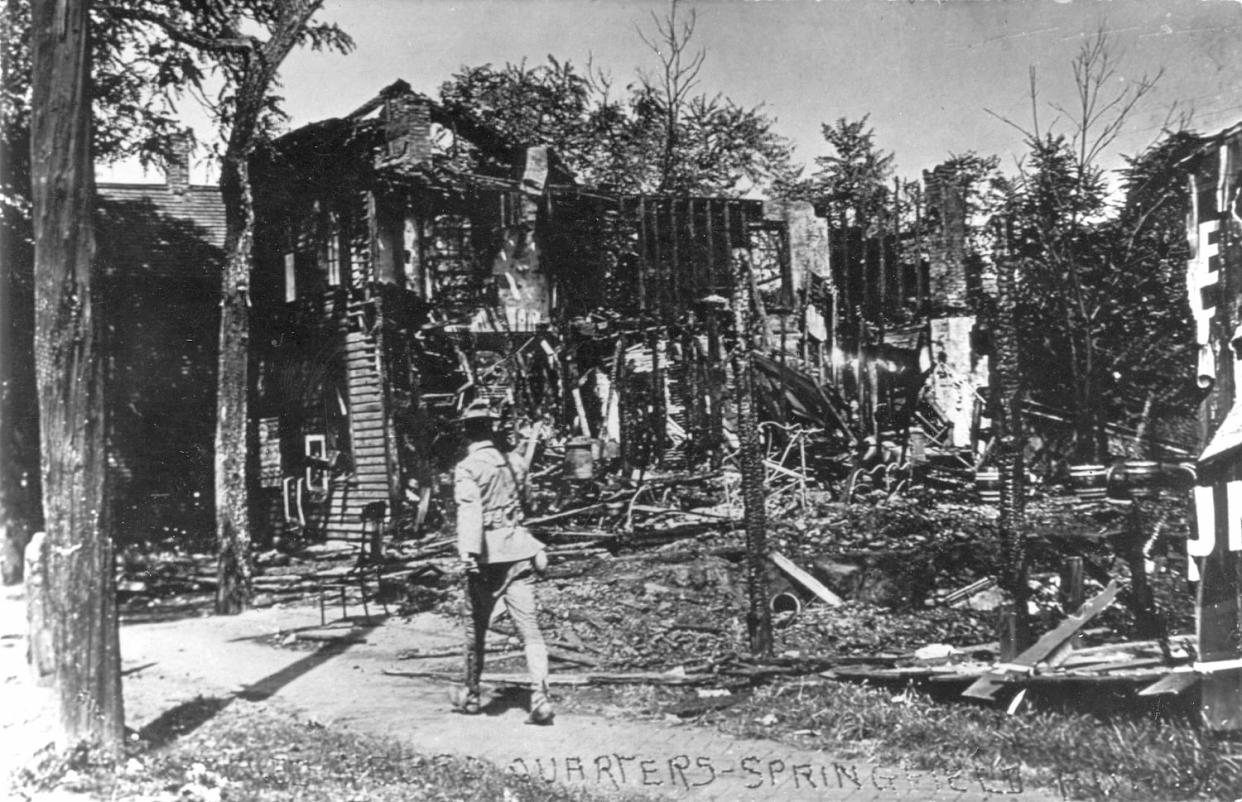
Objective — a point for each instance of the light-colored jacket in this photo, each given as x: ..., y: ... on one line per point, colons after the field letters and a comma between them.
x: 486, y: 486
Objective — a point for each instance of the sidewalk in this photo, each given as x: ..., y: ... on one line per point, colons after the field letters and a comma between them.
x: 342, y: 684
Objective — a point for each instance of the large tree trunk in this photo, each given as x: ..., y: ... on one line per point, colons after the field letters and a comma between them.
x: 234, y: 571
x: 233, y: 534
x: 79, y: 580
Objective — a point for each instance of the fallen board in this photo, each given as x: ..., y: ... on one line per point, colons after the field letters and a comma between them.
x: 602, y: 678
x: 804, y: 579
x: 1171, y: 684
x: 986, y: 686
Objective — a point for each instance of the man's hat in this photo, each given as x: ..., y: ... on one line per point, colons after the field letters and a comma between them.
x: 477, y: 410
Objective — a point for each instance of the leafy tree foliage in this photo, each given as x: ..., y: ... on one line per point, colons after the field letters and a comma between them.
x: 133, y: 86
x: 1071, y: 271
x: 659, y: 136
x: 852, y: 183
x: 150, y: 56
x: 1101, y: 287
x: 549, y: 104
x: 246, y: 42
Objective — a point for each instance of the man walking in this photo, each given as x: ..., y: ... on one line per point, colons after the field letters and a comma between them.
x: 500, y: 555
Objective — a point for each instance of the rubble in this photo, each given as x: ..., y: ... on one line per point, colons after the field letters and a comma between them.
x: 647, y: 573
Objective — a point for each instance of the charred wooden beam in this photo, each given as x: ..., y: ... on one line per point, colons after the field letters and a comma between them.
x: 750, y: 462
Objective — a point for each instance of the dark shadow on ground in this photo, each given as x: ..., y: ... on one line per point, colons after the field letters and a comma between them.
x: 351, y: 628
x: 183, y: 719
x: 269, y: 685
x: 189, y: 716
x: 127, y: 672
x: 506, y: 699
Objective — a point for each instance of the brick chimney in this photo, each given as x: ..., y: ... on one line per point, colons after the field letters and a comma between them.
x: 177, y: 165
x: 407, y: 122
x: 947, y: 246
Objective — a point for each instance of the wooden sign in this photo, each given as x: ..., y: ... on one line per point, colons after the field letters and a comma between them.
x: 1214, y: 288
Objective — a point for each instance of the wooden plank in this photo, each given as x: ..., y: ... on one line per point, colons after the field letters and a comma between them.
x: 371, y: 477
x: 1171, y: 684
x: 353, y: 507
x: 1116, y: 665
x: 362, y: 499
x: 1061, y: 634
x: 600, y: 678
x: 365, y: 447
x: 363, y: 496
x: 1111, y: 651
x: 804, y: 579
x: 991, y: 682
x: 961, y: 594
x: 368, y: 441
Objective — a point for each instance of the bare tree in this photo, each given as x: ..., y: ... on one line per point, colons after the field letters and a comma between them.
x: 678, y: 76
x: 79, y: 591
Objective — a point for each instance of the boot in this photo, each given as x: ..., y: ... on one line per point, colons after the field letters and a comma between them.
x: 541, y: 711
x: 464, y: 700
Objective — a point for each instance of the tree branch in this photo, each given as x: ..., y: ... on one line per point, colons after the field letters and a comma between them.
x: 243, y: 45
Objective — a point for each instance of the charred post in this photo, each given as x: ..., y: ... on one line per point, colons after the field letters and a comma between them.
x: 750, y: 462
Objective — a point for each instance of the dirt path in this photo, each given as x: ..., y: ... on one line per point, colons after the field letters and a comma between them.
x: 341, y: 684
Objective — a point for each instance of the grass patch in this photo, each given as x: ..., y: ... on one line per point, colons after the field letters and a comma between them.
x: 251, y: 752
x: 1075, y: 755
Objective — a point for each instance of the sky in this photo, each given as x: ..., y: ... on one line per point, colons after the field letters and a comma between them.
x: 933, y: 76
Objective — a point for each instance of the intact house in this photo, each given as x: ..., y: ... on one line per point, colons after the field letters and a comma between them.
x: 409, y: 259
x: 160, y: 249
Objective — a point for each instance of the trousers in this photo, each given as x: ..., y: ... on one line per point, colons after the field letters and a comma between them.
x: 513, y: 582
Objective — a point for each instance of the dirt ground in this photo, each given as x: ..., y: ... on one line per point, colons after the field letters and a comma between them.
x: 335, y: 676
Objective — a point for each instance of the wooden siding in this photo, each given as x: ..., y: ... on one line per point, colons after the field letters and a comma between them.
x: 368, y: 481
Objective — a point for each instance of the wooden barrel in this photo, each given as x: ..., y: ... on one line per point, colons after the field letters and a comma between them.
x: 1142, y: 478
x: 1089, y: 481
x: 917, y: 452
x: 580, y: 458
x: 988, y: 485
x: 609, y: 450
